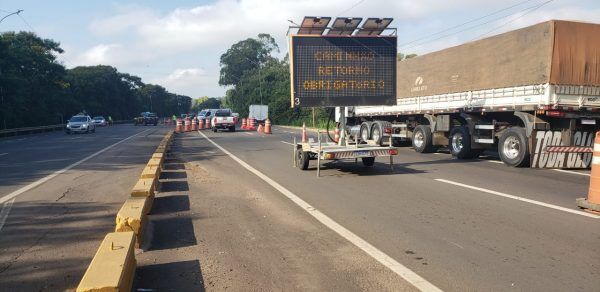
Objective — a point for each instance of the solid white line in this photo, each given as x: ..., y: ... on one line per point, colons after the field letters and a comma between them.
x: 51, y: 176
x: 495, y: 161
x: 247, y: 133
x: 520, y: 199
x: 287, y: 143
x: 4, y: 212
x: 3, y: 154
x: 401, y: 270
x: 572, y: 172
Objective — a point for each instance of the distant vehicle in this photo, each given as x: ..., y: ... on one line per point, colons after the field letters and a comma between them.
x: 207, y: 114
x: 100, y: 121
x: 146, y: 118
x: 223, y: 119
x: 80, y: 124
x: 259, y: 112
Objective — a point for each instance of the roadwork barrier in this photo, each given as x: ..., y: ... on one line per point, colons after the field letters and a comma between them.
x: 113, y: 266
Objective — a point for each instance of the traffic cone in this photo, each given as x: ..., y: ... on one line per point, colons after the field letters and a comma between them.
x: 186, y: 124
x: 268, y: 127
x: 243, y: 123
x: 336, y: 135
x: 592, y: 203
x: 304, y: 137
x: 260, y: 128
x: 178, y: 126
x: 200, y: 124
x: 194, y: 124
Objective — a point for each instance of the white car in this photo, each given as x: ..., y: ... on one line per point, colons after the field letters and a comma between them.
x: 100, y: 121
x: 80, y: 124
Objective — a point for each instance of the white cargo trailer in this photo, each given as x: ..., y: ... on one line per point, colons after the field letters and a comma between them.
x: 259, y: 112
x: 517, y: 92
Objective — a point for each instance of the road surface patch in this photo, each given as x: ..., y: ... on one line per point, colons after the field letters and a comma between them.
x: 58, y: 172
x: 401, y: 270
x: 113, y: 266
x: 519, y: 199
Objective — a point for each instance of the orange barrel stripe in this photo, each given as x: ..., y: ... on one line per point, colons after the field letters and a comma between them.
x: 594, y: 191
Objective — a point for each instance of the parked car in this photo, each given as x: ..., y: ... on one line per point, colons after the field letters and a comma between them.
x: 146, y: 118
x: 223, y: 119
x: 100, y: 121
x: 80, y: 124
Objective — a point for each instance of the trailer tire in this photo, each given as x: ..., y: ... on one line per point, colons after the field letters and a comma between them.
x: 368, y: 161
x: 459, y: 143
x: 513, y: 147
x: 302, y: 159
x: 364, y: 132
x: 377, y: 133
x: 422, y: 139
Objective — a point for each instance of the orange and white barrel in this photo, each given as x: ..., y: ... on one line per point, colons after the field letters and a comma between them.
x: 336, y: 135
x: 594, y: 190
x: 194, y: 124
x: 187, y: 125
x: 244, y: 123
x: 268, y: 127
x: 178, y: 126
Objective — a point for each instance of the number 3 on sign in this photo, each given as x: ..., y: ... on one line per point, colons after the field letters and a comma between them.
x: 297, y: 101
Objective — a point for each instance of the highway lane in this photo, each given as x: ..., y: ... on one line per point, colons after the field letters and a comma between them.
x: 457, y: 238
x: 52, y: 231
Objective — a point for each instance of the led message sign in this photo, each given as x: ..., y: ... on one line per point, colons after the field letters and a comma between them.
x: 343, y: 70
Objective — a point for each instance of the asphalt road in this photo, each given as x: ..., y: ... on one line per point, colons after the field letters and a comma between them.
x: 215, y: 225
x: 49, y: 232
x: 461, y: 225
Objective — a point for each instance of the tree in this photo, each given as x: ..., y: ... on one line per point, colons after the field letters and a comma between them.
x: 245, y: 56
x: 205, y: 102
x: 402, y: 57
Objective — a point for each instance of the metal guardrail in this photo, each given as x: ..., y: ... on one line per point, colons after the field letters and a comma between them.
x: 30, y: 130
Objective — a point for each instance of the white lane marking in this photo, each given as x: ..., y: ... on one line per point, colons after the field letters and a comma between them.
x: 1, y: 154
x: 51, y: 176
x: 247, y: 133
x: 572, y: 172
x: 582, y: 213
x: 4, y: 213
x: 287, y: 143
x: 495, y: 161
x: 438, y: 153
x: 401, y: 270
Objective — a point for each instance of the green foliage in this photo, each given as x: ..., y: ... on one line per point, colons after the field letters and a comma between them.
x: 204, y: 103
x: 35, y: 89
x: 402, y: 57
x: 256, y: 77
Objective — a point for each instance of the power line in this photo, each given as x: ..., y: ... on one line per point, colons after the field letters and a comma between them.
x: 465, y: 23
x: 470, y: 27
x: 531, y: 9
x: 16, y: 12
x: 351, y: 7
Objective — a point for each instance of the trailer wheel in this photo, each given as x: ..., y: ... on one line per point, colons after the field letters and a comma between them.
x: 364, y: 133
x: 377, y: 133
x: 459, y: 143
x: 422, y: 139
x: 302, y: 159
x: 368, y: 161
x: 513, y: 147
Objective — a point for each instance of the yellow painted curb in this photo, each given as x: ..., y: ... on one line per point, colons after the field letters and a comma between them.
x: 160, y: 156
x: 155, y: 162
x: 144, y: 188
x: 151, y: 171
x: 113, y: 266
x: 132, y: 217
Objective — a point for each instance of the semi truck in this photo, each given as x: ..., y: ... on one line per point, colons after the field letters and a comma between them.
x: 517, y: 92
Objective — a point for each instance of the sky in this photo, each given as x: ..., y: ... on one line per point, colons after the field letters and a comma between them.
x: 177, y: 43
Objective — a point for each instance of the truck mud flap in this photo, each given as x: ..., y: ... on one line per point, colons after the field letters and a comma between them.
x: 542, y: 159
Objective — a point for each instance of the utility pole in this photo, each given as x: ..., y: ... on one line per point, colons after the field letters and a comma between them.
x: 16, y: 12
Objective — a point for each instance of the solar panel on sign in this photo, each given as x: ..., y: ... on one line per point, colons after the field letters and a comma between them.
x: 374, y: 26
x: 313, y: 25
x: 344, y: 25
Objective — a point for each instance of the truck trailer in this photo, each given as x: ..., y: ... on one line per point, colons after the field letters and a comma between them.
x: 518, y: 92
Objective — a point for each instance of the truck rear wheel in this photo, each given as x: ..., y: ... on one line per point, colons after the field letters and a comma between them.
x: 302, y: 159
x: 459, y: 143
x: 422, y: 139
x: 513, y: 147
x: 368, y: 161
x: 364, y: 132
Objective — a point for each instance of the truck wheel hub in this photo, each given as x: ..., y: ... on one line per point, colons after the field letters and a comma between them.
x: 511, y: 147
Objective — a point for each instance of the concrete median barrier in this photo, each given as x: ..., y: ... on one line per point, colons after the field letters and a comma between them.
x: 113, y: 266
x: 151, y: 171
x: 132, y: 217
x: 144, y: 188
x: 155, y: 162
x: 160, y: 156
